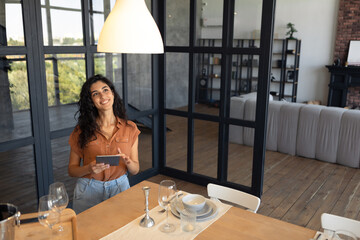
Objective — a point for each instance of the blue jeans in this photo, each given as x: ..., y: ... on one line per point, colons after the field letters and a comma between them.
x: 89, y: 192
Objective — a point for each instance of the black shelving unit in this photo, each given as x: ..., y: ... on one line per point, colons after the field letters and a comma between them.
x: 245, y: 70
x: 286, y: 67
x: 242, y: 80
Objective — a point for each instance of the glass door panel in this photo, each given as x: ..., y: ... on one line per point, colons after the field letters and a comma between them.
x: 15, y: 120
x: 206, y: 147
x: 209, y: 21
x: 244, y: 75
x: 139, y: 81
x: 208, y: 82
x: 11, y: 24
x: 177, y: 22
x: 145, y: 147
x: 62, y: 23
x: 18, y: 179
x: 177, y: 81
x: 65, y: 75
x: 60, y: 159
x: 110, y: 65
x: 99, y: 10
x: 240, y: 155
x: 247, y: 23
x: 176, y: 142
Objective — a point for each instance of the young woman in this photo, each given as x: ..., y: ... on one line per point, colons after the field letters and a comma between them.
x: 102, y: 129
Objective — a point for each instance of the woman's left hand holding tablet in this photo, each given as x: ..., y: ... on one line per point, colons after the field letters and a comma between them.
x: 98, y: 167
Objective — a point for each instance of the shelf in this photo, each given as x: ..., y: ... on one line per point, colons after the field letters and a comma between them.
x: 286, y: 82
x: 245, y: 66
x: 279, y: 53
x: 296, y: 69
x: 289, y: 96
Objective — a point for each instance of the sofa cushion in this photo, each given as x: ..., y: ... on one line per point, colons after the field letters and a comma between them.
x: 273, y: 125
x: 237, y: 106
x: 348, y: 152
x: 307, y: 130
x: 289, y: 117
x: 328, y: 134
x: 249, y: 114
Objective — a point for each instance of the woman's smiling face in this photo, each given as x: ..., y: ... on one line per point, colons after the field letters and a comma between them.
x: 102, y: 96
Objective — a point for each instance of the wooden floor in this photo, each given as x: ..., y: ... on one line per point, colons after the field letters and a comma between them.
x: 296, y: 190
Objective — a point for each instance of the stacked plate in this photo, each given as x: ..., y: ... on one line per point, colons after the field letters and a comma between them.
x: 207, y: 212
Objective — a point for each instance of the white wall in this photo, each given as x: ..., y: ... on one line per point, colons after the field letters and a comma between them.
x: 315, y: 21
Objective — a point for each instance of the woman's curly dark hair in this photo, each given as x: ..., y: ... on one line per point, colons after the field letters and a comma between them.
x: 88, y: 112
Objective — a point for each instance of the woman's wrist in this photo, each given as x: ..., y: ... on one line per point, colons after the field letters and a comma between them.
x: 89, y: 169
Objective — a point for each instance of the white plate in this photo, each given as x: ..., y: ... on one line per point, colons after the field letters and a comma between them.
x: 212, y: 213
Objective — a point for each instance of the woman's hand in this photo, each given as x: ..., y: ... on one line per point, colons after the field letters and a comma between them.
x: 124, y: 157
x: 76, y: 170
x: 131, y: 162
x: 96, y: 168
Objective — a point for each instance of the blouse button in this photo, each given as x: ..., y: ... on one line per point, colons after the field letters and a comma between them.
x: 107, y: 145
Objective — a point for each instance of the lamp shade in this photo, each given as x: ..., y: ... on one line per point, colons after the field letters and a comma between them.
x: 130, y: 28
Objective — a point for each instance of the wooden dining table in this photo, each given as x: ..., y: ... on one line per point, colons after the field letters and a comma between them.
x: 236, y: 223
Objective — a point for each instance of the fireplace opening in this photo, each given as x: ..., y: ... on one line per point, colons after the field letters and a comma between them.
x: 353, y: 98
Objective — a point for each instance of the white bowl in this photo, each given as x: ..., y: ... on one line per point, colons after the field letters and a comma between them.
x: 194, y: 202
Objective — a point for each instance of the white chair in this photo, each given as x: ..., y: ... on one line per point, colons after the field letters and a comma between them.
x: 243, y: 199
x: 336, y: 223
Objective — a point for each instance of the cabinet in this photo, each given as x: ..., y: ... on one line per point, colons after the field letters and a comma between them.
x: 244, y: 75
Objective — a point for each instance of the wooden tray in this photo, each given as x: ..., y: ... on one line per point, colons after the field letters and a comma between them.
x: 37, y: 231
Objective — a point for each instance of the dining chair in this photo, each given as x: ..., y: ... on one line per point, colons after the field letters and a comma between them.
x: 248, y: 201
x: 336, y: 223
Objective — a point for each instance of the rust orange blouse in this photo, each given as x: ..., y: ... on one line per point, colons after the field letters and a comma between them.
x: 124, y: 138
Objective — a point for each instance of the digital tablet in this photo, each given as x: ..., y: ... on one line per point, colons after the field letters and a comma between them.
x: 112, y: 160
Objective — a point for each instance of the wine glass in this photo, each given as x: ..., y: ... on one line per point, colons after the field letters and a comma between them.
x: 47, y: 213
x: 58, y: 190
x: 167, y: 192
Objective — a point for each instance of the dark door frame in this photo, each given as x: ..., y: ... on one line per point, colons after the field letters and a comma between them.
x: 226, y: 50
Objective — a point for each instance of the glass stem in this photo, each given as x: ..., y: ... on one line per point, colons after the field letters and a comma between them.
x: 167, y: 216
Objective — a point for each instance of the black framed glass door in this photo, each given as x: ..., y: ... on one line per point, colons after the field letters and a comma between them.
x: 216, y: 51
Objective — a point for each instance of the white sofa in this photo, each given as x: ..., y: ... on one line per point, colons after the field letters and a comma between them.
x: 328, y: 134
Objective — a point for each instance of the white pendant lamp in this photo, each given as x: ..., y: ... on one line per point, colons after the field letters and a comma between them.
x: 130, y: 28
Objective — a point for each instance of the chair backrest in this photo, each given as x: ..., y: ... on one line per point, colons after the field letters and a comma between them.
x: 246, y: 200
x: 336, y: 223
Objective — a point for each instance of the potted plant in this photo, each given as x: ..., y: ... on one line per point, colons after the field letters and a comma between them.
x: 291, y: 31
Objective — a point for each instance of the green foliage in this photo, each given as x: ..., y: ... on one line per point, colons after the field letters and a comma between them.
x: 50, y: 84
x: 19, y: 90
x: 13, y: 42
x: 291, y: 31
x: 71, y: 76
x: 71, y: 41
x: 99, y: 66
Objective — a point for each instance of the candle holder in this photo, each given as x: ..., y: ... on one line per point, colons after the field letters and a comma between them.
x: 147, y: 221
